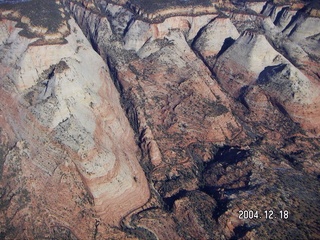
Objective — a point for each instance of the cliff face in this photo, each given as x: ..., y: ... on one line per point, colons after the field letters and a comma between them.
x: 172, y: 130
x: 67, y: 143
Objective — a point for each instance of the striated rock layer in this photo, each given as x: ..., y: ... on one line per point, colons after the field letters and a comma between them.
x: 69, y: 157
x: 193, y: 117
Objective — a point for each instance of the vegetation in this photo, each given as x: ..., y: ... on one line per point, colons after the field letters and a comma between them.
x: 41, y: 13
x: 3, y: 151
x: 315, y: 4
x: 215, y: 109
x: 2, y: 159
x: 152, y: 6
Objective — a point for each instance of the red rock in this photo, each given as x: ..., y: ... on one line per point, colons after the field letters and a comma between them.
x: 170, y: 138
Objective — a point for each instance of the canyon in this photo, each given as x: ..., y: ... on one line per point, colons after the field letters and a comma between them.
x: 159, y: 119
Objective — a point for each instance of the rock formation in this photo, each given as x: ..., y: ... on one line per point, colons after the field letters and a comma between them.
x: 66, y: 137
x: 158, y: 120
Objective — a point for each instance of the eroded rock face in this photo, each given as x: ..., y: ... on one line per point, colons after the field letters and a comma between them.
x: 215, y: 38
x: 66, y: 137
x: 220, y: 109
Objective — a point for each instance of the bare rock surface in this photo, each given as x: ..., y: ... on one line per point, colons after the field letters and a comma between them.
x: 196, y: 115
x: 215, y: 38
x: 66, y: 137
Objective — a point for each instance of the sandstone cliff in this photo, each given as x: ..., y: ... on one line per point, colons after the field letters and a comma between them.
x: 66, y: 137
x: 186, y: 118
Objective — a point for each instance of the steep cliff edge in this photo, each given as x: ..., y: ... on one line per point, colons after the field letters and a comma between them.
x: 70, y: 161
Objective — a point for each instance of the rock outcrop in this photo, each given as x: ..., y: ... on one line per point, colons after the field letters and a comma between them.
x: 193, y: 117
x: 215, y: 38
x: 66, y: 137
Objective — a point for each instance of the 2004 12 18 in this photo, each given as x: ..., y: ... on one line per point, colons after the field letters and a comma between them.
x: 267, y: 214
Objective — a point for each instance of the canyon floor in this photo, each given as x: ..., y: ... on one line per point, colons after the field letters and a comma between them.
x: 160, y: 119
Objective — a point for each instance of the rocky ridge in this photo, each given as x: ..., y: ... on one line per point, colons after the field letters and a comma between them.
x: 223, y: 106
x: 66, y: 137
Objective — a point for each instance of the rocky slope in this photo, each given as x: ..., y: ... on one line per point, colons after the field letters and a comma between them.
x: 66, y: 141
x: 188, y: 116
